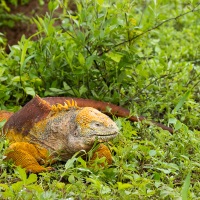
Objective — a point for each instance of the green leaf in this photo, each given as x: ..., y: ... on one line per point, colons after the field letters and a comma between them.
x: 71, y: 178
x: 2, y: 123
x: 31, y: 179
x: 81, y: 59
x: 152, y: 153
x: 4, y: 186
x: 114, y: 56
x: 2, y: 69
x: 82, y: 90
x: 52, y: 5
x: 18, y: 186
x: 29, y: 91
x: 100, y: 2
x: 83, y: 162
x: 23, y: 54
x: 185, y: 187
x: 57, y: 91
x: 66, y: 86
x: 35, y: 187
x: 122, y: 186
x: 181, y: 102
x: 70, y: 162
x: 60, y: 185
x: 178, y: 125
x: 172, y: 120
x: 89, y: 61
x: 22, y: 174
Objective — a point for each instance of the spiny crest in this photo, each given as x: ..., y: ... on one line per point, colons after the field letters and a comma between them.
x: 67, y: 105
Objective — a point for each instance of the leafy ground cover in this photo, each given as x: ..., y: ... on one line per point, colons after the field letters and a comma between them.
x: 141, y: 55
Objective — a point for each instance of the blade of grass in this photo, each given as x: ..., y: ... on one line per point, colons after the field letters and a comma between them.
x: 181, y: 102
x: 185, y: 187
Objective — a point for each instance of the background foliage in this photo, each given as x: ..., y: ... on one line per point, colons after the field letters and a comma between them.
x: 7, y: 17
x: 137, y: 54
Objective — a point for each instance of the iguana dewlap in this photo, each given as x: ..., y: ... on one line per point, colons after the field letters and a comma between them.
x: 39, y: 133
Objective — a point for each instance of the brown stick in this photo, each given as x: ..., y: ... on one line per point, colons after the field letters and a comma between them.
x: 103, y: 107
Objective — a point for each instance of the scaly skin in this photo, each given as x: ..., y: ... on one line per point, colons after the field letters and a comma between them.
x: 39, y: 132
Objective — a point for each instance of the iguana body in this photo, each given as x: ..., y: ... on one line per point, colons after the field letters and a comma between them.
x: 41, y: 132
x: 32, y: 144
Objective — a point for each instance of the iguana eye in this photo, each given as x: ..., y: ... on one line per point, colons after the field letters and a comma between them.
x: 98, y: 124
x: 76, y: 131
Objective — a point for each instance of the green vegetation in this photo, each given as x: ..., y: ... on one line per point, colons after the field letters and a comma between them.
x: 7, y: 18
x: 143, y: 55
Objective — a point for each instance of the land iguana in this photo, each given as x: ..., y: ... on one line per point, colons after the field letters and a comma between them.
x: 47, y: 128
x: 40, y: 132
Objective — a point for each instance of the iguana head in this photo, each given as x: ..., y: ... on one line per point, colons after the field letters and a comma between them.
x: 91, y: 125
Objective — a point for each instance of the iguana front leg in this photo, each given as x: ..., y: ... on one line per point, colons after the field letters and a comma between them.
x: 102, y: 151
x: 28, y: 156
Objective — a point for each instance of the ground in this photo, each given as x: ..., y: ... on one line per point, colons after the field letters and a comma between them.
x: 31, y: 9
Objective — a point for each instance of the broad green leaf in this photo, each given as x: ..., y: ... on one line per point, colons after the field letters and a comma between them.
x: 172, y: 120
x: 114, y: 56
x: 18, y: 79
x: 122, y: 186
x: 66, y: 86
x: 31, y: 179
x: 35, y: 187
x: 178, y: 125
x: 29, y: 91
x: 152, y: 153
x: 83, y: 162
x: 71, y: 178
x: 82, y: 89
x: 18, y: 186
x: 89, y: 61
x: 70, y: 162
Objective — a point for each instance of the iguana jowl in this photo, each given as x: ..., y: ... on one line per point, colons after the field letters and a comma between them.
x: 40, y: 132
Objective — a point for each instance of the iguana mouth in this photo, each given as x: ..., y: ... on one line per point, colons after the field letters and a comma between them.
x: 106, y: 137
